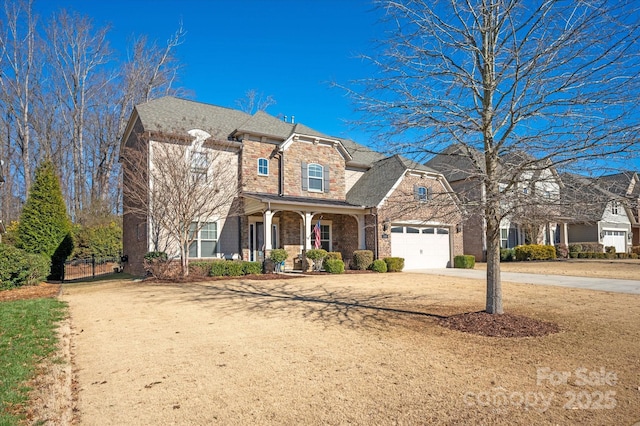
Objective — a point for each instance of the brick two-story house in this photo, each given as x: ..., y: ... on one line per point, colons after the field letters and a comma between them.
x: 530, y: 197
x: 291, y: 178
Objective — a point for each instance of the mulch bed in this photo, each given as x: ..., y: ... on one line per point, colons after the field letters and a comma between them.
x: 504, y: 325
x: 30, y: 292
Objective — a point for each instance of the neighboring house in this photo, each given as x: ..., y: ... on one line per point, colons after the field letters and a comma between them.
x: 530, y: 197
x: 598, y: 210
x: 627, y: 186
x: 291, y: 178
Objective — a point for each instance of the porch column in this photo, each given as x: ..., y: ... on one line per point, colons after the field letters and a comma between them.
x: 564, y: 234
x: 308, y: 216
x: 267, y: 218
x: 361, y: 231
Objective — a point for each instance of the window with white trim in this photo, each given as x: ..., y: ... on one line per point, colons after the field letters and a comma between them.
x: 263, y: 167
x: 325, y: 237
x: 422, y: 194
x: 199, y: 166
x: 205, y: 243
x: 614, y: 207
x: 316, y: 177
x: 504, y: 238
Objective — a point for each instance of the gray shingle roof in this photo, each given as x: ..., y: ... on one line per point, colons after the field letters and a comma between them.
x: 376, y: 183
x: 458, y: 162
x: 174, y: 115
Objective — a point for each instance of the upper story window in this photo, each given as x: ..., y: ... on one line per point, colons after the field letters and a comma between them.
x: 614, y: 207
x: 422, y: 193
x: 263, y: 167
x: 315, y: 177
x: 199, y: 165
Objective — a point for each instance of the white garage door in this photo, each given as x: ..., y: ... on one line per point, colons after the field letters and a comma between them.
x: 618, y: 239
x: 421, y: 247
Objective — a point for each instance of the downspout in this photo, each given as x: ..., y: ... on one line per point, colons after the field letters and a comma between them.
x: 375, y: 233
x: 281, y: 174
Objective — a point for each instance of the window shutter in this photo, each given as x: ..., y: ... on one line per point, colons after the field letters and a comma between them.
x: 429, y: 194
x: 326, y: 178
x: 416, y: 195
x: 305, y: 177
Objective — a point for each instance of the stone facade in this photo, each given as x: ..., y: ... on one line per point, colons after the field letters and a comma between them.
x: 323, y: 154
x: 252, y: 151
x: 401, y: 206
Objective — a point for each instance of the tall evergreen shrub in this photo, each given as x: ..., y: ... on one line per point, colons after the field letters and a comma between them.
x: 44, y: 225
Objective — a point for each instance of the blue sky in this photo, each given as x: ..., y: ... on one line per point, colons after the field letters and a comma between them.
x: 289, y: 49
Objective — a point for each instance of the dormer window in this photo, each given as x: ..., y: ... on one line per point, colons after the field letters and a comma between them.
x: 614, y: 207
x: 421, y: 193
x: 263, y: 167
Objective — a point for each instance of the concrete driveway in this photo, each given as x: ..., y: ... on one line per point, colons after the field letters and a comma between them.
x: 600, y: 284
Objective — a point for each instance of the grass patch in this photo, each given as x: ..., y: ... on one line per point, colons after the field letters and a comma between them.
x: 27, y: 336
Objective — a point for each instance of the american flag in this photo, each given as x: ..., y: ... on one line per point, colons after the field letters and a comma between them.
x: 316, y: 232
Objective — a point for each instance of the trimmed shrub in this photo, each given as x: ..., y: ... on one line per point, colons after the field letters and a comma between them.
x: 233, y: 268
x: 507, y: 255
x: 199, y: 268
x: 218, y: 268
x: 622, y: 255
x: 278, y: 255
x: 316, y: 256
x: 586, y: 248
x: 362, y: 259
x: 394, y: 264
x: 19, y: 268
x: 464, y: 261
x: 156, y: 264
x: 573, y: 255
x: 331, y: 255
x: 334, y: 266
x: 610, y: 249
x: 379, y: 265
x: 251, y: 268
x: 635, y: 249
x: 535, y: 252
x: 562, y: 251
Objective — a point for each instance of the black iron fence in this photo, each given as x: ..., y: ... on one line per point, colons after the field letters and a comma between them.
x: 76, y: 269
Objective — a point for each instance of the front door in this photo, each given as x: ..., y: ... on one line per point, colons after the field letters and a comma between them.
x: 256, y: 240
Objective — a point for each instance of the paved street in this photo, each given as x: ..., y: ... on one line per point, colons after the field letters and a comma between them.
x: 600, y: 284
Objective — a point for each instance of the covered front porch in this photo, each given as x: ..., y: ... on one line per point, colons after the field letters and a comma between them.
x: 272, y: 221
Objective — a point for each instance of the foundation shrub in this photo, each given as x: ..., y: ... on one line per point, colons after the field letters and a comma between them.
x: 394, y: 264
x: 379, y: 265
x: 251, y: 268
x: 362, y: 259
x: 464, y: 261
x: 535, y: 252
x: 334, y: 266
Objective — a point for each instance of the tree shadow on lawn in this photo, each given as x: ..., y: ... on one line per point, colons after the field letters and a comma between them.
x: 330, y: 306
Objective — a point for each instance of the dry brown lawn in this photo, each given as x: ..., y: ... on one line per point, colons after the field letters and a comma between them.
x: 349, y: 349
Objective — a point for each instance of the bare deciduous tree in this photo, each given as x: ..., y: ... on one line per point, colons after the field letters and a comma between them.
x: 255, y: 101
x: 500, y: 76
x: 178, y: 186
x: 78, y: 52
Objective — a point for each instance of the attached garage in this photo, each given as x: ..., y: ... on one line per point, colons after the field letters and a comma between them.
x: 421, y: 246
x: 618, y: 239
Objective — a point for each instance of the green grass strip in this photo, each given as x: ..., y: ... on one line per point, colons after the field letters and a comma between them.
x: 27, y: 336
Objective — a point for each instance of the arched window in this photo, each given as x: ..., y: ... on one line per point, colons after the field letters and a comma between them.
x: 316, y: 177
